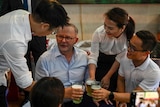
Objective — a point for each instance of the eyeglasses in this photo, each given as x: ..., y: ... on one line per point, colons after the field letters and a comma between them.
x: 133, y: 48
x: 67, y: 38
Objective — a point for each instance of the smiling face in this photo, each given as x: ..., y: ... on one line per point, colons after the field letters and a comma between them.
x: 135, y: 50
x: 112, y: 29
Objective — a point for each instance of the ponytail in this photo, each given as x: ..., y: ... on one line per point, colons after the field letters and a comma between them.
x: 130, y: 28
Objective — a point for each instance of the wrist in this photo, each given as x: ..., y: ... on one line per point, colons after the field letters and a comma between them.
x: 108, y: 76
x: 111, y: 96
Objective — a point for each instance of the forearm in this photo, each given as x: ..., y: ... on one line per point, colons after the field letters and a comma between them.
x: 113, y: 69
x: 68, y: 92
x: 120, y: 84
x: 92, y: 69
x: 30, y: 87
x: 122, y: 97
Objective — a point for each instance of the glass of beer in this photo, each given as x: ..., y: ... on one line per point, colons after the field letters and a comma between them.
x: 88, y: 86
x: 95, y: 86
x: 78, y: 85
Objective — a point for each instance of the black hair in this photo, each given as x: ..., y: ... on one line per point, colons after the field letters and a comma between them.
x: 72, y: 25
x: 47, y: 92
x: 148, y: 39
x: 121, y: 18
x: 51, y: 12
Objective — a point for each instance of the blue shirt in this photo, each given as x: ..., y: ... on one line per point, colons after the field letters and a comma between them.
x: 53, y: 64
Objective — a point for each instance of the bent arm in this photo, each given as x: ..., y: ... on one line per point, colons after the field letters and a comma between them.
x: 92, y: 70
x: 113, y: 69
x: 30, y: 87
x: 120, y: 84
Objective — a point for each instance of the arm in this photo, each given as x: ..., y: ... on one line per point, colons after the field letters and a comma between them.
x: 120, y: 84
x: 68, y: 92
x: 92, y: 70
x: 106, y: 78
x: 113, y: 69
x: 14, y: 51
x: 122, y: 97
x: 30, y: 87
x: 93, y: 57
x: 73, y: 93
x: 103, y: 94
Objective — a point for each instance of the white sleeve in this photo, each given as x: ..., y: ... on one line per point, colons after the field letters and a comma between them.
x: 93, y: 57
x: 14, y: 52
x: 121, y: 55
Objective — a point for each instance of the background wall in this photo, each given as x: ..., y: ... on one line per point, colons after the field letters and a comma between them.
x: 87, y: 17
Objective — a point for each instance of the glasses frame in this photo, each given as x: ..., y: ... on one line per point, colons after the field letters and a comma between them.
x: 67, y: 38
x: 132, y: 49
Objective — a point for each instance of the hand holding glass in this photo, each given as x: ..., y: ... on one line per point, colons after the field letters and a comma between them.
x: 88, y: 86
x: 75, y: 86
x: 96, y: 86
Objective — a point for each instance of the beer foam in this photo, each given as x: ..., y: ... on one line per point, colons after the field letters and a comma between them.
x: 95, y: 87
x: 77, y: 86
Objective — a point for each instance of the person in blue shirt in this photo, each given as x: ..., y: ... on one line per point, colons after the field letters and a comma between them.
x: 66, y: 62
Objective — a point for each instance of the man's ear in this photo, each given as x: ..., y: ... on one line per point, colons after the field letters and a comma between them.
x: 76, y: 40
x: 45, y: 26
x: 148, y: 52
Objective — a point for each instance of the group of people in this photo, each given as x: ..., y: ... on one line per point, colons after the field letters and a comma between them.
x: 119, y: 58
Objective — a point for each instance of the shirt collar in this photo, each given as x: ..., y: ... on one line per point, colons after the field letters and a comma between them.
x: 144, y: 65
x: 57, y: 52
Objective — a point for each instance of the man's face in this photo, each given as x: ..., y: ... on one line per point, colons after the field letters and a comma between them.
x: 41, y: 29
x: 66, y: 38
x: 135, y: 50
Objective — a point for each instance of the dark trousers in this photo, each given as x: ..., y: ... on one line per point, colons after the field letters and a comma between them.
x: 86, y: 102
x: 3, y: 98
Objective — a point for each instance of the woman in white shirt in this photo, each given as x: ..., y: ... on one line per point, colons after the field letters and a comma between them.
x: 109, y: 44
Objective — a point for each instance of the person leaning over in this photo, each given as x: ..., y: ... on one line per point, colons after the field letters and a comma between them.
x: 109, y: 43
x: 16, y: 29
x: 137, y: 72
x: 66, y: 62
x: 47, y: 92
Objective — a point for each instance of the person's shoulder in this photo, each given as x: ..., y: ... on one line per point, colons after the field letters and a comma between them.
x: 46, y: 54
x: 153, y: 64
x: 100, y: 28
x: 80, y: 51
x: 19, y: 12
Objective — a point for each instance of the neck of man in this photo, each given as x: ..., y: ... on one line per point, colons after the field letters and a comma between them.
x: 139, y: 62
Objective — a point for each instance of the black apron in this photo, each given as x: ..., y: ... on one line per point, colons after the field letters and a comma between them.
x: 103, y: 65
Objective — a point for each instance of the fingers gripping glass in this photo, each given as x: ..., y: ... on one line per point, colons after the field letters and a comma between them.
x: 133, y: 48
x: 67, y: 38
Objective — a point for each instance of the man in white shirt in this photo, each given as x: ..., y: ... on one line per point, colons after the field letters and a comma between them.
x: 16, y: 30
x: 137, y: 72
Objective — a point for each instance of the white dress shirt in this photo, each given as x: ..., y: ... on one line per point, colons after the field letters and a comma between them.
x: 15, y: 32
x: 107, y: 45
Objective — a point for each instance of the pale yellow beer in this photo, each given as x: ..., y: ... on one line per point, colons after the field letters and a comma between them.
x: 77, y: 86
x: 88, y: 86
x: 95, y: 86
